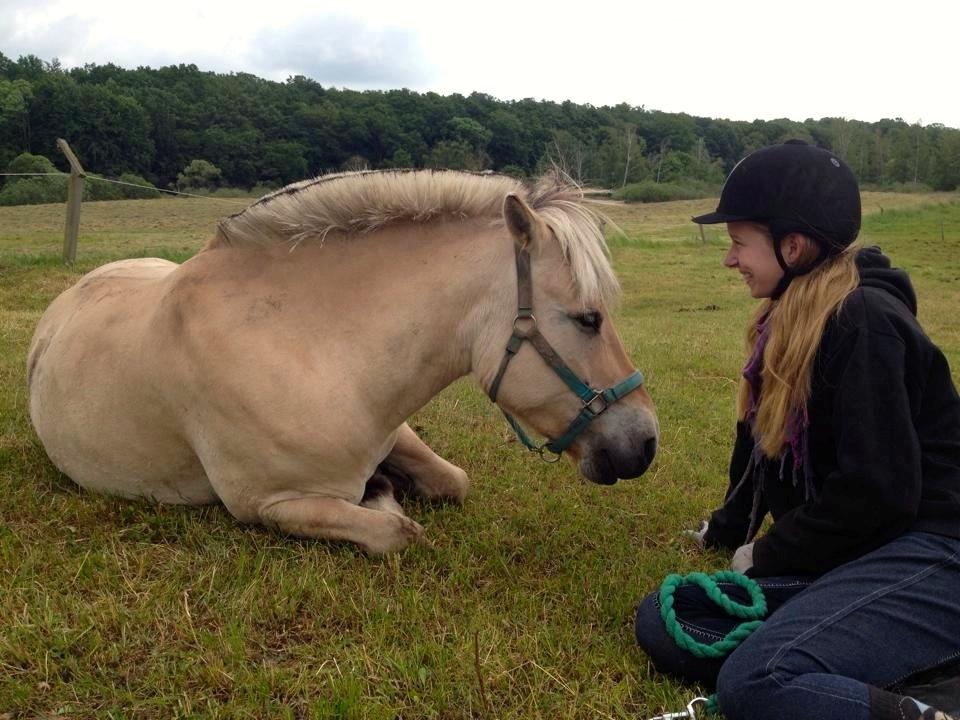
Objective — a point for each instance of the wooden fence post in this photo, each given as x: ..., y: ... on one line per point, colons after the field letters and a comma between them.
x: 74, y: 198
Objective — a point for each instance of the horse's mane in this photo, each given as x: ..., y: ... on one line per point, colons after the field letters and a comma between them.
x: 357, y: 203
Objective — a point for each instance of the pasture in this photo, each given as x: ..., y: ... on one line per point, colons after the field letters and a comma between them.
x: 521, y: 606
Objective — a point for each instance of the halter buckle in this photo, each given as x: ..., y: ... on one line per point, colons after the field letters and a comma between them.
x: 598, y: 395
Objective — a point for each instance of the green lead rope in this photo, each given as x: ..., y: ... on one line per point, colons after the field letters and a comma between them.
x: 751, y: 614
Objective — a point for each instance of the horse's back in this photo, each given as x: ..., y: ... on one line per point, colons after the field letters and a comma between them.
x: 95, y: 400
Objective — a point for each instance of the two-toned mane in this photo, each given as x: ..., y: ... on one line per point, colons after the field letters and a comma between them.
x: 358, y: 203
x: 273, y: 372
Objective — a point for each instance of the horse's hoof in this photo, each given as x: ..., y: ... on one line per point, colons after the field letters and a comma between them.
x: 399, y: 531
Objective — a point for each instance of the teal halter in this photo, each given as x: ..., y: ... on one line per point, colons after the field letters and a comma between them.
x: 595, y: 402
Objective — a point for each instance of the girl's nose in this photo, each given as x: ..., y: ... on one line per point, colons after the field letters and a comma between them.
x: 730, y: 259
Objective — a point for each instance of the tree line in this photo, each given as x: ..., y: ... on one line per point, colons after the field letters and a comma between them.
x: 240, y: 131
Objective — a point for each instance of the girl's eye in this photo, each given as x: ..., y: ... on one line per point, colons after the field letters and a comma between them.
x: 588, y: 321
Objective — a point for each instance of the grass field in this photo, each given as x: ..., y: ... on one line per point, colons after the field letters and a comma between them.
x: 522, y: 605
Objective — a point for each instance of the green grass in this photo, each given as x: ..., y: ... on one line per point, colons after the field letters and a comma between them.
x: 114, y: 609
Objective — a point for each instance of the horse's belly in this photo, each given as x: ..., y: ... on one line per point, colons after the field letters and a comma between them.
x: 96, y: 412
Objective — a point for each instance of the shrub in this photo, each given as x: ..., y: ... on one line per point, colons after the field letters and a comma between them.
x: 53, y: 189
x: 34, y: 191
x: 133, y: 193
x: 27, y: 163
x: 649, y: 191
x: 199, y: 175
x: 6, y: 157
x: 94, y: 189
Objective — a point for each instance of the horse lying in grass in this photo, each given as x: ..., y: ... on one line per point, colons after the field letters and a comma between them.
x: 274, y: 371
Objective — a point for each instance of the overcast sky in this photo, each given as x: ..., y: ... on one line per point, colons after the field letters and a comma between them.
x: 739, y: 59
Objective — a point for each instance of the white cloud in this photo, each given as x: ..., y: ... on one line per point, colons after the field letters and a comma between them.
x: 340, y: 50
x: 746, y: 59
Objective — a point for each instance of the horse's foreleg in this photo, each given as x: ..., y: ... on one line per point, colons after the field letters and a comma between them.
x: 375, y: 530
x: 431, y: 476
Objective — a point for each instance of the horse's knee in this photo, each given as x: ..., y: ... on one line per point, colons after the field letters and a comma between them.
x: 437, y: 480
x: 454, y: 485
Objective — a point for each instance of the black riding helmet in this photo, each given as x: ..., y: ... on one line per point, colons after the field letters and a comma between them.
x: 794, y: 187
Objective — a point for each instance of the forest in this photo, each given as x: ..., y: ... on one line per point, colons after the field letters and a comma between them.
x: 182, y: 127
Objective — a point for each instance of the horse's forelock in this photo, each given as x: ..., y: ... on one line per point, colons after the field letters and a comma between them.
x: 579, y: 230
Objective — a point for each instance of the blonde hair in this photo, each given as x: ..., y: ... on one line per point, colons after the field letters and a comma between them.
x: 796, y: 324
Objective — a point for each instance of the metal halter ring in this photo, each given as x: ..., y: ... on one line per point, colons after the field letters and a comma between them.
x: 518, y: 318
x: 548, y: 455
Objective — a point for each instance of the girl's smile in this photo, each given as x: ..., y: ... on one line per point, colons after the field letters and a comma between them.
x: 751, y: 254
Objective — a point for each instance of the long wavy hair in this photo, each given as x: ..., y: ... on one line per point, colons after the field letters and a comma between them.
x: 796, y: 323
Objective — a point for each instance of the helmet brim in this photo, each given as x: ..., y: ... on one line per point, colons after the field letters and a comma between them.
x: 717, y: 217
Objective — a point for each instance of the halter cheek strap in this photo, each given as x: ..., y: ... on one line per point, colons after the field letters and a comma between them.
x: 594, y: 402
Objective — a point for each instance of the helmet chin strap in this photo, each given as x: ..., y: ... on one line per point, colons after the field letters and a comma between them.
x: 789, y: 273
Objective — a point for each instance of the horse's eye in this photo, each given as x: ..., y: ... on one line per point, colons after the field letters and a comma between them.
x: 588, y: 321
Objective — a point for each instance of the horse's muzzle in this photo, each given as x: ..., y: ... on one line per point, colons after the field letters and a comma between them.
x: 606, y: 465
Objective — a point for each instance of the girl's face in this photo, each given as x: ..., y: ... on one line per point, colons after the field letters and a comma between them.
x: 751, y: 253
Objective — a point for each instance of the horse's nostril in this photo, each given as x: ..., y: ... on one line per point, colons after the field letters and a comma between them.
x: 650, y: 449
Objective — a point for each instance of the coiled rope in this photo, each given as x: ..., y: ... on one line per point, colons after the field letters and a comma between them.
x: 751, y: 614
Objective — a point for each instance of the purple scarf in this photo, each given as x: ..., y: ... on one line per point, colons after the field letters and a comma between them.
x: 798, y: 421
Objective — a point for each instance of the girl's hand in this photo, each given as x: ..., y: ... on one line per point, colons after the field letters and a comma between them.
x: 742, y: 558
x: 698, y: 535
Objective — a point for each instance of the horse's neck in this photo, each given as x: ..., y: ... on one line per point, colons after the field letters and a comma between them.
x: 414, y: 302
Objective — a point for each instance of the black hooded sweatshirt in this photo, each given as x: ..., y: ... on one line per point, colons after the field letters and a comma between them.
x: 883, y: 442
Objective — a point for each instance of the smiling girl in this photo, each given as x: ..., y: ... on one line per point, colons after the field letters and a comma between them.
x: 849, y: 436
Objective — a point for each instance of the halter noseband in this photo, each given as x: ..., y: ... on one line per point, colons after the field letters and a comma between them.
x: 594, y: 402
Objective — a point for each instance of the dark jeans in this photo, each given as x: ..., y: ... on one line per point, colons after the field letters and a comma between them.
x: 829, y: 644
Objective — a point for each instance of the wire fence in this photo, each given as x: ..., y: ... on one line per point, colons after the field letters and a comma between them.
x: 129, y: 184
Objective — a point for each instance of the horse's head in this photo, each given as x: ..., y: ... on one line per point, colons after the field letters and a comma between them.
x: 569, y: 375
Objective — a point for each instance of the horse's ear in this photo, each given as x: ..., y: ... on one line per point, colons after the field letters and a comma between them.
x: 520, y: 218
